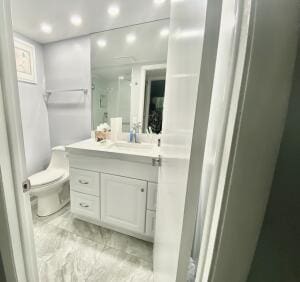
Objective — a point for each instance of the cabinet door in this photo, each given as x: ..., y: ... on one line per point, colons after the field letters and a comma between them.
x: 123, y: 202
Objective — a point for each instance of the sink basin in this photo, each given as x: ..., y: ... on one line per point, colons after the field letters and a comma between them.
x: 132, y: 147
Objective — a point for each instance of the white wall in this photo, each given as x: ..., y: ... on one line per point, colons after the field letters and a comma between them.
x: 220, y: 103
x: 68, y: 66
x: 34, y: 116
x: 277, y: 253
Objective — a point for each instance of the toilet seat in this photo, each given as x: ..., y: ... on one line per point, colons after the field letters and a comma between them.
x: 45, y: 177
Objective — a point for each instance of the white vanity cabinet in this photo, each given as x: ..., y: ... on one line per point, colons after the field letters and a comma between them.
x: 114, y: 191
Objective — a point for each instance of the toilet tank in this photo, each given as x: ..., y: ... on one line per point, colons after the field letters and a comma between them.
x: 59, y: 158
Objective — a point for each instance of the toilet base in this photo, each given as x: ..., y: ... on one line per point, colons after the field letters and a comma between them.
x: 51, y: 203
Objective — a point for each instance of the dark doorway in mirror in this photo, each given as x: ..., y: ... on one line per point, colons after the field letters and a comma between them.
x: 156, y: 103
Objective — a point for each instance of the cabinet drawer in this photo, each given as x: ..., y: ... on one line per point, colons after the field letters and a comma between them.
x: 152, y: 195
x: 85, y: 181
x: 85, y: 205
x: 150, y: 223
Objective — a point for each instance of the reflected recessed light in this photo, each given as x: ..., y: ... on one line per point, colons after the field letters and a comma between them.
x: 130, y: 38
x: 164, y: 32
x: 121, y: 77
x: 113, y: 10
x: 46, y: 28
x: 76, y: 20
x: 158, y: 2
x: 188, y: 33
x: 101, y: 43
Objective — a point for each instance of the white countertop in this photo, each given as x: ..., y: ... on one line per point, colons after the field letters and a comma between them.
x: 120, y: 150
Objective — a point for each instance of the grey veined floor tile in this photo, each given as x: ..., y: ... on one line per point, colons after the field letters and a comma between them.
x: 72, y: 250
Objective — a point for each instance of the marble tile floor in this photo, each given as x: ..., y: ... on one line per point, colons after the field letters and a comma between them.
x: 71, y: 250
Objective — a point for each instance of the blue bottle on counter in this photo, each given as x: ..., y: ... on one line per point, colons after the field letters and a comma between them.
x: 131, y: 136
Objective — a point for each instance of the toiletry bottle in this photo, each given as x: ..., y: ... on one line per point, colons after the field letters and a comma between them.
x: 131, y: 136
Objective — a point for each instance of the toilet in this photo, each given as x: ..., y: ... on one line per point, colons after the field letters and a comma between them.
x: 51, y: 186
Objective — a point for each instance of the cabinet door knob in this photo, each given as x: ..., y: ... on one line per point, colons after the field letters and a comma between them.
x: 142, y: 190
x: 83, y: 181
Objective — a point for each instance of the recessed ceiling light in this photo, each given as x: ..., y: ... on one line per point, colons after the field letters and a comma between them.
x: 76, y: 20
x: 164, y: 32
x: 101, y: 43
x: 46, y: 28
x: 121, y: 77
x: 130, y: 38
x: 113, y: 10
x: 158, y: 2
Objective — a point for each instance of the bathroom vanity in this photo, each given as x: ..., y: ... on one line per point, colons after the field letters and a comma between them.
x: 114, y: 185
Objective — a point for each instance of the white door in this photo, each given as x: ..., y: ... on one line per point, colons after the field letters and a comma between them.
x: 12, y: 160
x: 123, y: 202
x: 193, y: 40
x: 243, y: 190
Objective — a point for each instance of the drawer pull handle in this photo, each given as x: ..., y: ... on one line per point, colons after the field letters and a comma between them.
x: 83, y: 181
x: 142, y: 190
x: 84, y: 205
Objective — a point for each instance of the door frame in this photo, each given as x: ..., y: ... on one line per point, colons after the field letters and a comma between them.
x: 259, y: 123
x: 216, y: 195
x: 13, y: 163
x: 10, y: 247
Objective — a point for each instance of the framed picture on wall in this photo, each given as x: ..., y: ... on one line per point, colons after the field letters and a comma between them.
x: 25, y: 61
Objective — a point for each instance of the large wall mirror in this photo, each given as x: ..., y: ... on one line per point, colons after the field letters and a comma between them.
x: 128, y: 75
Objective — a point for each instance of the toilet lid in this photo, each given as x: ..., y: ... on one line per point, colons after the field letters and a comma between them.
x: 46, y: 176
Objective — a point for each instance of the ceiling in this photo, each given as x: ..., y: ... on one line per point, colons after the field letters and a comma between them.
x: 28, y: 15
x: 149, y: 47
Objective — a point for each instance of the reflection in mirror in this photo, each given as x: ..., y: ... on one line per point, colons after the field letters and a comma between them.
x: 154, y: 98
x: 128, y: 75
